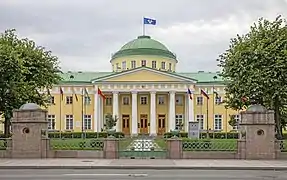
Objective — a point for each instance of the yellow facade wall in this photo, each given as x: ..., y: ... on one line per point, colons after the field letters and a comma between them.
x: 139, y: 58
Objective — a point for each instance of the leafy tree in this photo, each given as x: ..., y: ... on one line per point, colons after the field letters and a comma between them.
x: 254, y: 68
x: 111, y: 122
x: 25, y: 69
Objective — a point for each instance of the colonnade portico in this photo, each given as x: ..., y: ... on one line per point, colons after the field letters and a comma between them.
x: 152, y: 119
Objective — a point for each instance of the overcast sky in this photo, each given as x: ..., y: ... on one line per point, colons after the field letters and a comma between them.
x: 84, y: 33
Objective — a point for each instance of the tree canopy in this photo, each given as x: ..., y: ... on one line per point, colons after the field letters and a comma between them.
x: 254, y: 68
x: 25, y: 68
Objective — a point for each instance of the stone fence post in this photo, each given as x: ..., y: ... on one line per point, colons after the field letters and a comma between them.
x: 174, y: 148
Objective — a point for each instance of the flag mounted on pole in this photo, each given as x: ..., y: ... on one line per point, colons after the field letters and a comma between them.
x: 148, y: 21
x: 202, y: 92
x: 61, y: 93
x: 189, y: 93
x: 101, y: 93
x: 75, y: 94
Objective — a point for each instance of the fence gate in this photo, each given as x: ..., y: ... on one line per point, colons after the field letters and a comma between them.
x: 142, y: 147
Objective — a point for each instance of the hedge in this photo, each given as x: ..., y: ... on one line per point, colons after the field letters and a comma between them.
x: 79, y: 135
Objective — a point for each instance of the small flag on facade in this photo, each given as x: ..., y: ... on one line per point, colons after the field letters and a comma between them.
x: 101, y: 93
x: 202, y: 92
x: 62, y: 93
x: 189, y: 93
x: 74, y: 93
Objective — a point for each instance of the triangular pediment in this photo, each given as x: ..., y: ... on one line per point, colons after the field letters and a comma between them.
x: 144, y: 75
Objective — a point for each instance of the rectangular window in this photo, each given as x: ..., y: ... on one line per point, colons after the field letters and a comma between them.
x: 179, y: 100
x: 160, y: 99
x: 218, y: 100
x: 162, y: 65
x: 179, y: 125
x: 87, y: 100
x: 69, y: 122
x: 69, y: 99
x: 109, y: 101
x: 51, y: 121
x: 143, y: 62
x: 169, y: 66
x: 200, y: 120
x: 217, y: 122
x: 199, y: 100
x: 124, y: 65
x: 126, y: 100
x: 153, y: 64
x: 87, y: 122
x: 236, y: 118
x: 52, y: 100
x: 117, y: 66
x: 133, y: 64
x: 143, y: 100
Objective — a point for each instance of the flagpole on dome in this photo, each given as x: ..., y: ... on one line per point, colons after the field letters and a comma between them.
x: 143, y: 26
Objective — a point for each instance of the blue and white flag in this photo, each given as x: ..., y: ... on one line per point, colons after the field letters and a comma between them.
x: 149, y: 21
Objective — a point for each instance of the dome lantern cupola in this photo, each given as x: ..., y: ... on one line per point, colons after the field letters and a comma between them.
x: 143, y: 51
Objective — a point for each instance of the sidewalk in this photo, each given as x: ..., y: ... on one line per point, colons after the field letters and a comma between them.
x: 141, y: 164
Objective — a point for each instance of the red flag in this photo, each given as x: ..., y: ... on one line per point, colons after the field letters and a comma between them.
x: 202, y: 92
x: 101, y: 93
x: 62, y: 93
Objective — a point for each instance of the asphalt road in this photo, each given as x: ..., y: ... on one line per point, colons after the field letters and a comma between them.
x: 118, y: 174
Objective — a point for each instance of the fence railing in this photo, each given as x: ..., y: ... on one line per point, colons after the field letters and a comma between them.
x: 3, y: 143
x: 77, y: 144
x: 209, y: 145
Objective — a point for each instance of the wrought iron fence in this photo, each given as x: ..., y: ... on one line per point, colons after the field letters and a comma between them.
x: 77, y: 144
x: 283, y: 146
x: 142, y: 147
x: 209, y: 145
x: 3, y: 143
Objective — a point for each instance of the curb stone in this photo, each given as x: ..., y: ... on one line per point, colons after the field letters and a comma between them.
x: 147, y: 167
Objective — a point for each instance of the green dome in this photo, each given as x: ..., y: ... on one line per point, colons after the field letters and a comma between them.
x: 144, y: 42
x: 144, y: 45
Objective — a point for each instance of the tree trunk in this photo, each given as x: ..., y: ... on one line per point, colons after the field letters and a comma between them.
x: 7, y: 124
x: 279, y: 133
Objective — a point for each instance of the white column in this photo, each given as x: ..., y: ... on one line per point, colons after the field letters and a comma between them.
x: 171, y: 118
x: 153, y: 114
x: 134, y: 113
x: 190, y: 108
x: 101, y: 113
x: 96, y: 110
x: 116, y: 109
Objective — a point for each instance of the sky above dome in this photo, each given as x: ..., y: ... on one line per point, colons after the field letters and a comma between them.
x: 84, y: 33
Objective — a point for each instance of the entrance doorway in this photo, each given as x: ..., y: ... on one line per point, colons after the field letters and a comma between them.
x: 126, y: 124
x: 143, y: 124
x: 161, y: 124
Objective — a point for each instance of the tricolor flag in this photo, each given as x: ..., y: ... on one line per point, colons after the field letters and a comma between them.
x: 189, y: 93
x: 101, y: 93
x: 216, y: 94
x: 62, y: 93
x: 74, y: 93
x: 202, y: 92
x: 86, y: 94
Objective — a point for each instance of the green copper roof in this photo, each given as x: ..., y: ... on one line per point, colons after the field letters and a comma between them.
x: 87, y: 77
x: 144, y: 42
x: 144, y: 45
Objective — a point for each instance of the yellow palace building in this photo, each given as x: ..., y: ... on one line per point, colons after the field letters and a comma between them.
x: 143, y: 90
